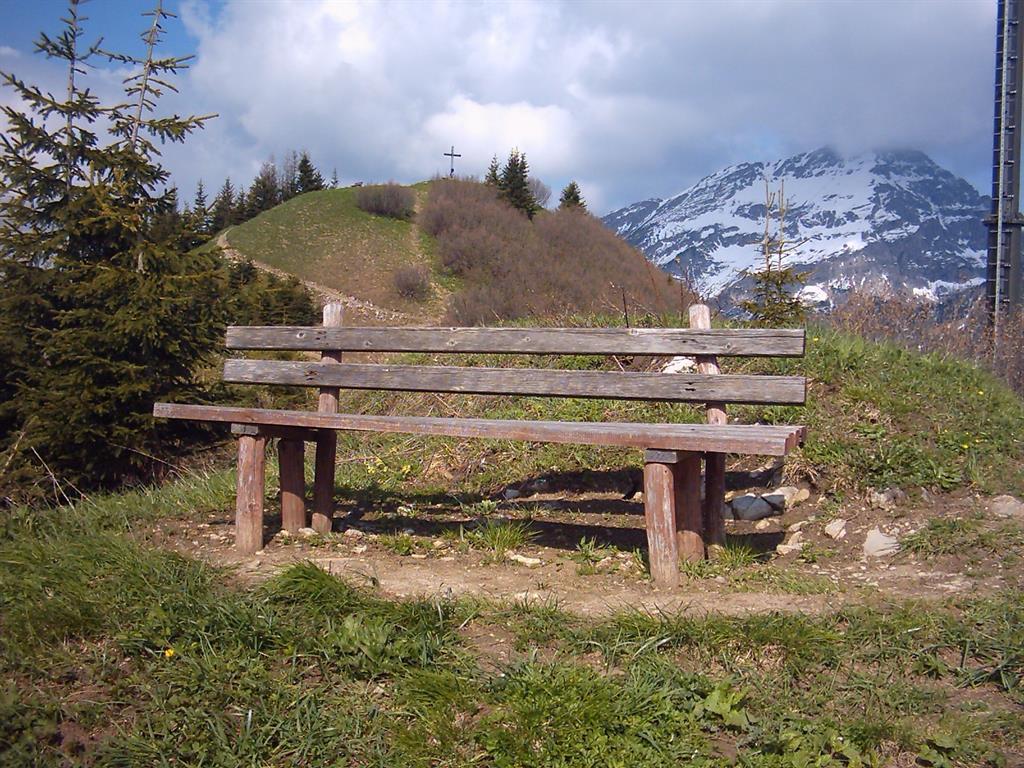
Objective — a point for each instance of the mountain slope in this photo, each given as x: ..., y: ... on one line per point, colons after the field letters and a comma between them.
x: 880, y: 220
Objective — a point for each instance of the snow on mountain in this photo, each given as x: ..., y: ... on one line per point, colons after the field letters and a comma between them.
x: 879, y: 221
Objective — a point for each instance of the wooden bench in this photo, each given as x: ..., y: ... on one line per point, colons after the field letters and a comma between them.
x: 678, y: 523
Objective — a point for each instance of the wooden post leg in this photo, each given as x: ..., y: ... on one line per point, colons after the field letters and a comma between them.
x: 249, y: 499
x: 688, y: 512
x: 659, y: 509
x: 291, y: 458
x: 714, y: 498
x: 323, y: 481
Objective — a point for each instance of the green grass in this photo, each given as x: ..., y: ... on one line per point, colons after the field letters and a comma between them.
x: 324, y: 237
x: 116, y: 654
x: 963, y: 536
x: 499, y: 537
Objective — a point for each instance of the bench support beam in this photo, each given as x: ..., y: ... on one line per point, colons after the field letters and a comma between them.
x: 291, y: 459
x: 250, y: 493
x: 673, y: 512
x: 327, y: 439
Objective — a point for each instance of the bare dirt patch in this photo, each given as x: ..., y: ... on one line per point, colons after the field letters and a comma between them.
x: 405, y: 547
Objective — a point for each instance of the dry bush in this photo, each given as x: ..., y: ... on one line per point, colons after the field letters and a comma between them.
x: 562, y: 262
x: 412, y: 283
x: 961, y: 330
x: 389, y: 199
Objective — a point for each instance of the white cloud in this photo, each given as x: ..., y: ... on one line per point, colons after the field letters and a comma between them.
x: 637, y: 98
x: 7, y: 52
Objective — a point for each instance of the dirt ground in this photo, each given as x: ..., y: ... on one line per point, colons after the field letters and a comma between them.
x: 412, y: 549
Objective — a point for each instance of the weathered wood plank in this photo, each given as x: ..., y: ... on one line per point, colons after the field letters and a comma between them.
x: 250, y: 493
x: 327, y: 441
x: 555, y: 341
x: 674, y: 387
x: 292, y: 462
x: 751, y: 439
x: 714, y: 463
x: 688, y: 512
x: 660, y: 522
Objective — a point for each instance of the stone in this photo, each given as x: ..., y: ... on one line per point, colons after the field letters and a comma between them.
x: 878, y: 544
x: 359, y: 549
x: 836, y: 529
x: 793, y: 545
x: 797, y: 526
x: 540, y: 485
x: 680, y: 364
x: 886, y: 500
x: 438, y: 544
x: 306, y: 532
x: 529, y: 562
x: 763, y: 525
x: 349, y: 533
x: 418, y: 556
x: 781, y: 497
x: 510, y: 493
x: 803, y: 494
x: 751, y: 507
x: 1007, y: 506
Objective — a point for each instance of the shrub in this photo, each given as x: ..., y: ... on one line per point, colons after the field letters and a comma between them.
x: 389, y: 199
x: 559, y: 263
x: 412, y: 283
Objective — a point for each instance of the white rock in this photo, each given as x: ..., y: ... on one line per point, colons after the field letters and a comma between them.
x: 680, y: 364
x: 1007, y: 506
x: 305, y: 532
x: 350, y: 533
x: 359, y: 549
x: 418, y: 556
x: 794, y: 527
x: 510, y: 493
x: 763, y: 525
x: 878, y: 544
x: 751, y: 507
x: 801, y: 495
x: 438, y: 544
x: 782, y: 497
x: 794, y: 544
x: 836, y: 529
x: 529, y: 562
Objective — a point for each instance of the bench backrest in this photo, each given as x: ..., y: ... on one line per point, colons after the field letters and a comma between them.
x: 672, y: 387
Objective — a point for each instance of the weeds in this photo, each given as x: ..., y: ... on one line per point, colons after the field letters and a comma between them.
x: 498, y: 537
x: 961, y: 535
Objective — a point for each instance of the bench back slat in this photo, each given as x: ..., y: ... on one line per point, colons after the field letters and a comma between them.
x: 673, y: 387
x: 754, y: 342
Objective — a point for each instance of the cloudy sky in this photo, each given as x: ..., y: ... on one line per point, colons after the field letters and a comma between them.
x: 634, y: 99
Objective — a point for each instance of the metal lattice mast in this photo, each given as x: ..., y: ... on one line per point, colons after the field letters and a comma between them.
x: 1003, y: 284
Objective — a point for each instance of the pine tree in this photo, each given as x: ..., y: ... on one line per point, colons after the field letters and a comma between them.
x: 572, y: 197
x: 116, y: 314
x: 224, y: 211
x: 514, y: 184
x: 264, y: 192
x: 492, y: 179
x: 775, y: 302
x: 200, y: 218
x: 334, y: 179
x: 309, y: 178
x: 288, y: 179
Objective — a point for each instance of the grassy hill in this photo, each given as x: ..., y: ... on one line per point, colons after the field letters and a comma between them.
x: 325, y: 238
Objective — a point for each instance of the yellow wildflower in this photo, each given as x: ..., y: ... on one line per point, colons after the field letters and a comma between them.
x: 168, y: 652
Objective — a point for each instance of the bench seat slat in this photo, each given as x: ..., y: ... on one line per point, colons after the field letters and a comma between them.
x: 671, y: 387
x: 785, y: 342
x: 768, y: 440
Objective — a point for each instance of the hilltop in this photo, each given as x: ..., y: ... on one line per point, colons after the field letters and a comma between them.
x: 481, y: 260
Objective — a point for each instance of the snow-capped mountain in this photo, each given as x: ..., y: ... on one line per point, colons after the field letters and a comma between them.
x: 884, y: 220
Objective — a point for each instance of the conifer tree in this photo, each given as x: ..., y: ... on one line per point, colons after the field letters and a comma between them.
x: 572, y: 197
x: 200, y: 217
x: 334, y: 179
x: 309, y: 178
x: 114, y: 314
x: 492, y: 179
x: 514, y: 183
x: 288, y: 179
x: 224, y: 211
x: 264, y: 192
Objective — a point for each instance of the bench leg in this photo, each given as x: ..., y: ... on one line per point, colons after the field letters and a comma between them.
x: 291, y: 458
x: 323, y: 481
x: 249, y: 499
x: 688, y: 511
x: 659, y: 510
x: 714, y: 498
